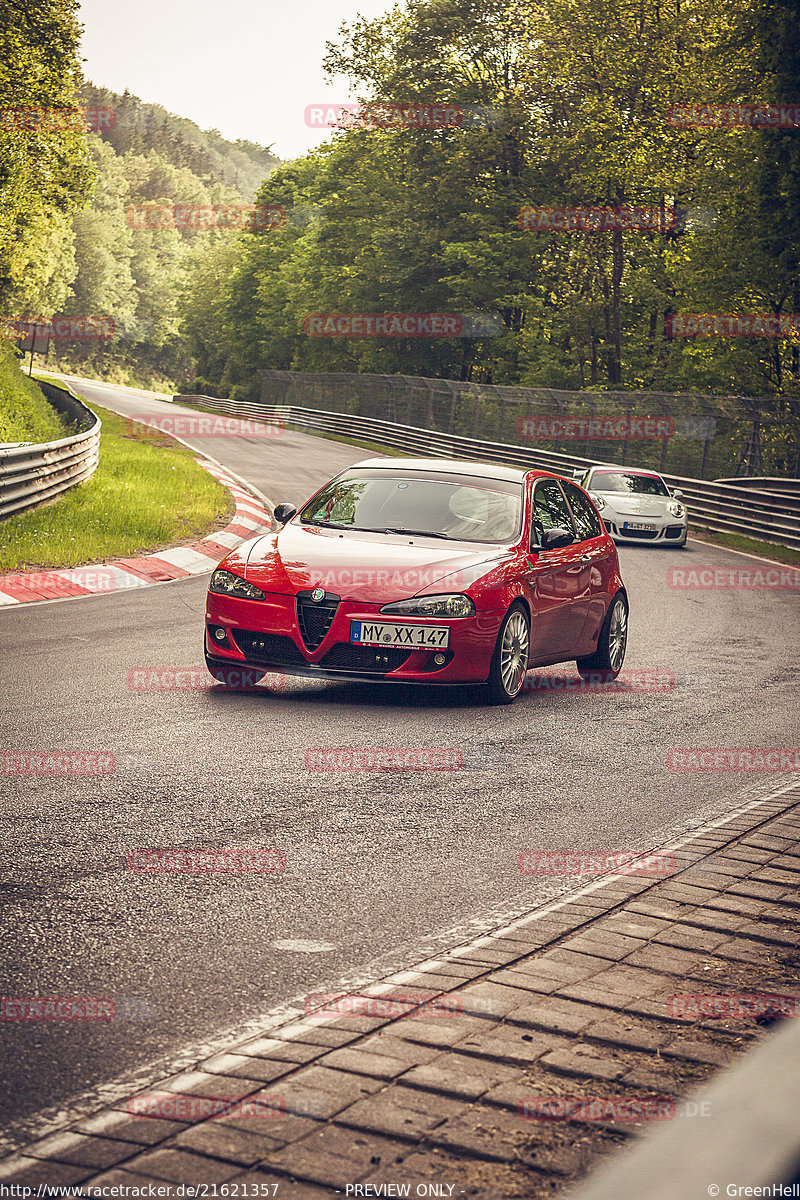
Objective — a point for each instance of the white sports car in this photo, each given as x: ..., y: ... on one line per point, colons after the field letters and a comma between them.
x: 636, y: 505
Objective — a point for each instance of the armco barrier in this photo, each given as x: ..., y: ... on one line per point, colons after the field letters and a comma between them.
x: 739, y: 508
x: 31, y: 474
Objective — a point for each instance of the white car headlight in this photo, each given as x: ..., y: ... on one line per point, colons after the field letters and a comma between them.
x: 676, y: 509
x: 455, y: 605
x: 599, y: 501
x: 225, y: 583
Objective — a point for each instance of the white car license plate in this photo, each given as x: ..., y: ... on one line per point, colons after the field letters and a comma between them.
x: 418, y: 637
x: 637, y: 525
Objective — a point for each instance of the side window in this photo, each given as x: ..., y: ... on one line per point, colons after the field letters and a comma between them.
x: 550, y: 509
x: 586, y: 519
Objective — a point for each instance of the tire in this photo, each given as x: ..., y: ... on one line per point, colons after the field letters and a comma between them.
x: 234, y: 678
x: 513, y: 643
x: 611, y: 643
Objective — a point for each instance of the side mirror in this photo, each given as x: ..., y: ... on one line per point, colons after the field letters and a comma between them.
x: 677, y: 493
x: 554, y: 539
x: 284, y: 513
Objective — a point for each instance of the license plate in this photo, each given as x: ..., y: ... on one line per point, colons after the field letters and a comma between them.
x: 637, y: 525
x: 417, y: 637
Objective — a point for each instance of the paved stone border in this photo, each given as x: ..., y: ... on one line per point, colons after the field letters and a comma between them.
x: 570, y: 1001
x: 251, y: 517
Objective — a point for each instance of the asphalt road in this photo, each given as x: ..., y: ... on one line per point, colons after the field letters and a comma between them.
x: 379, y: 866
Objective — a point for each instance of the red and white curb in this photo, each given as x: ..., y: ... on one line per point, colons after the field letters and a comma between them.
x: 251, y: 518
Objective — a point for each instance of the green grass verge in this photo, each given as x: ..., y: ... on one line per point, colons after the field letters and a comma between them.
x: 734, y: 541
x: 148, y: 493
x: 25, y: 415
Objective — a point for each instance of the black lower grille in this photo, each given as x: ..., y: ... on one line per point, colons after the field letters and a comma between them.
x: 673, y: 531
x: 276, y: 651
x: 344, y: 657
x: 646, y: 535
x: 267, y: 647
x: 315, y: 617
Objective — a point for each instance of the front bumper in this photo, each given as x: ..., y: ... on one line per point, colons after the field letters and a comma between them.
x: 672, y: 532
x: 265, y: 634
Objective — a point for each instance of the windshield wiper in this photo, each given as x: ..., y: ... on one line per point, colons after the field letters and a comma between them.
x: 341, y: 525
x: 418, y: 532
x: 329, y: 524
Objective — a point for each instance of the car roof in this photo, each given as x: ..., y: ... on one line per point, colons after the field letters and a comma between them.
x: 627, y: 470
x: 452, y: 467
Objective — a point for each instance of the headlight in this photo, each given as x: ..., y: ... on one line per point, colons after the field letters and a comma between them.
x: 455, y: 605
x: 675, y: 508
x: 228, y: 584
x: 599, y: 501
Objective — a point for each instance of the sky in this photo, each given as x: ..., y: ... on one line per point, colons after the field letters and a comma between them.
x: 246, y: 67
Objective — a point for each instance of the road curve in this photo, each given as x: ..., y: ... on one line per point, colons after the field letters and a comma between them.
x: 378, y: 865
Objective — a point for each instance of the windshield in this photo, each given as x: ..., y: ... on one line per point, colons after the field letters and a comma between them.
x: 469, y: 509
x: 623, y: 481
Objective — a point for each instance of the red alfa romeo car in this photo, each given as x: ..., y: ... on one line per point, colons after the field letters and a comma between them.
x: 423, y: 571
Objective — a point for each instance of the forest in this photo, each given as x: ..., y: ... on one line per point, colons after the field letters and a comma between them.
x: 637, y: 187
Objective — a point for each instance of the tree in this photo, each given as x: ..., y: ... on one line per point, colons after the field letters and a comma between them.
x: 45, y: 168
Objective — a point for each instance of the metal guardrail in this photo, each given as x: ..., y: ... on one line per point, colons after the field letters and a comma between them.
x: 696, y: 435
x: 31, y: 473
x: 766, y: 483
x: 724, y: 507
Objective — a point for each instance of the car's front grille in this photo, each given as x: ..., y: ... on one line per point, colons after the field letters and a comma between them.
x: 673, y: 531
x: 315, y: 617
x: 267, y: 647
x: 274, y: 650
x: 344, y: 657
x: 645, y: 534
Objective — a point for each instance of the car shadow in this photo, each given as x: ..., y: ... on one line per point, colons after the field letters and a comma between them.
x: 357, y: 694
